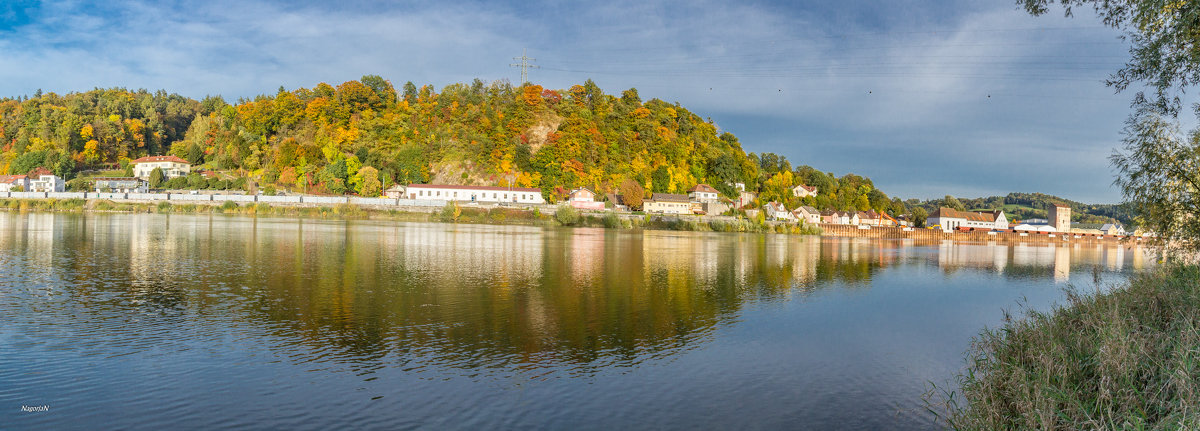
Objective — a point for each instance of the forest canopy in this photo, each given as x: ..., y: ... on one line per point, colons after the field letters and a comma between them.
x: 364, y: 135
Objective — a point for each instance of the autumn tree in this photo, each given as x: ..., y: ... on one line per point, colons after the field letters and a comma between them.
x: 370, y: 185
x: 632, y: 194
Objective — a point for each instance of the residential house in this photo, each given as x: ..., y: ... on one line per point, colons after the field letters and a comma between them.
x: 829, y: 217
x: 11, y: 183
x: 667, y: 203
x: 1112, y: 229
x: 949, y: 219
x: 584, y: 199
x: 396, y: 191
x: 803, y: 191
x: 776, y: 211
x: 121, y: 184
x: 870, y: 218
x: 47, y: 182
x: 171, y: 166
x: 807, y: 214
x: 481, y: 194
x: 703, y: 193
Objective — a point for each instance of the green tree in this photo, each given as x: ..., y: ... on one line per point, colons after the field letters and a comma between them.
x: 1159, y: 169
x: 660, y: 180
x: 371, y: 187
x: 919, y: 215
x: 953, y: 203
x: 156, y: 178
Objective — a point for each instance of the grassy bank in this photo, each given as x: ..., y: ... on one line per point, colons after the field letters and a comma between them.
x: 564, y: 216
x: 1127, y: 359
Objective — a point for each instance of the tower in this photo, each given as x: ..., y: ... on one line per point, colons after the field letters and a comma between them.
x: 1059, y: 216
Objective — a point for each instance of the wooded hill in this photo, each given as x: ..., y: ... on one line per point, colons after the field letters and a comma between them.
x: 1020, y: 206
x: 363, y: 135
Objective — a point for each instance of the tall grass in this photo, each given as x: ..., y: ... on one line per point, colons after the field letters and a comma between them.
x: 1127, y: 359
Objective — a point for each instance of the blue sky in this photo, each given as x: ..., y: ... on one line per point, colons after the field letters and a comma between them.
x: 927, y: 98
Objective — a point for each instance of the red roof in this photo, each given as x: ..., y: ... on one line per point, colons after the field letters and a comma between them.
x: 491, y: 188
x: 149, y: 159
x: 39, y: 171
x: 705, y: 188
x: 6, y: 179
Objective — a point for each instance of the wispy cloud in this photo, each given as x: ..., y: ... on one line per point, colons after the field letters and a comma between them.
x: 925, y: 99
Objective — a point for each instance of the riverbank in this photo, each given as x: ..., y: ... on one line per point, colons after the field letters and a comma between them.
x: 1126, y: 359
x: 450, y: 213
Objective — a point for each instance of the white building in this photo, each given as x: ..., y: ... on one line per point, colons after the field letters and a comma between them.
x: 807, y: 214
x: 47, y: 183
x: 1029, y: 227
x: 802, y: 191
x: 171, y: 166
x: 950, y: 219
x: 703, y: 193
x: 667, y: 203
x: 121, y: 185
x: 776, y: 211
x: 9, y: 183
x: 482, y: 194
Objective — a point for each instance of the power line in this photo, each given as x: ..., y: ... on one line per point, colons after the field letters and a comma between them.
x: 525, y: 65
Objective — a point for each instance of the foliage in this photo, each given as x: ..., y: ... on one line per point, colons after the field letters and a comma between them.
x: 1121, y: 360
x: 632, y: 194
x: 1160, y: 177
x: 1158, y: 170
x: 156, y: 178
x: 919, y: 215
x: 566, y: 215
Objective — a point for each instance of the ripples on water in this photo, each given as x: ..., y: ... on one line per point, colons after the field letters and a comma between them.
x: 145, y: 321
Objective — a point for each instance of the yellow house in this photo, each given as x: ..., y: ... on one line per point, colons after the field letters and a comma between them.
x: 666, y: 203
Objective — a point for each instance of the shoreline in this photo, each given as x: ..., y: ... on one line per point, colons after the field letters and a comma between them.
x: 449, y: 213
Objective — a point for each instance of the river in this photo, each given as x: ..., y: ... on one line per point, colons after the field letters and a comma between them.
x: 147, y: 321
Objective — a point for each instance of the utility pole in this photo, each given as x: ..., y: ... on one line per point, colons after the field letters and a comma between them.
x: 525, y: 65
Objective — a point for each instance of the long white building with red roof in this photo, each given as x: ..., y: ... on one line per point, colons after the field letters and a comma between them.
x: 482, y: 194
x: 171, y: 166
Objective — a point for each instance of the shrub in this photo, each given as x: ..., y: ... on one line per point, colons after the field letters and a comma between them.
x: 566, y: 215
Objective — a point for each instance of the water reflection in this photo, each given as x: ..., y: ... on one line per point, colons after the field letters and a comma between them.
x: 294, y: 304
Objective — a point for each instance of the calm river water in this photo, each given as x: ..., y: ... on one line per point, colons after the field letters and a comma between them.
x: 211, y: 322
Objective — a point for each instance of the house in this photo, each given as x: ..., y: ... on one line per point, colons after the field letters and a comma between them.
x: 829, y: 217
x: 395, y: 191
x: 802, y: 191
x: 740, y: 187
x: 1112, y: 229
x: 584, y: 199
x: 667, y: 203
x: 807, y: 214
x: 949, y: 219
x: 703, y: 193
x: 121, y: 184
x: 171, y: 166
x: 869, y: 217
x: 12, y: 183
x: 47, y: 182
x: 482, y: 194
x: 776, y: 211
